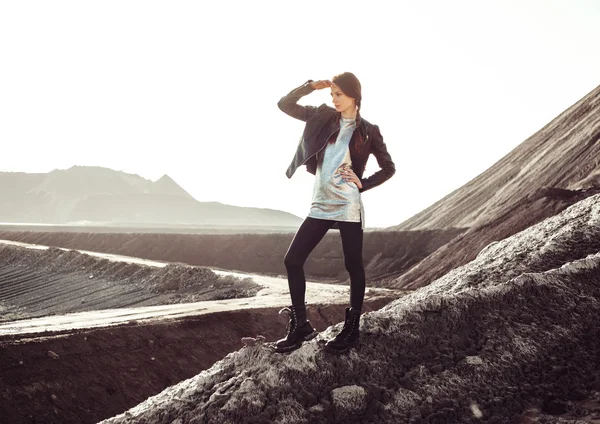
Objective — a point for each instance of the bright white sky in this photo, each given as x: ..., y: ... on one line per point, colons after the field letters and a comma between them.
x: 190, y: 88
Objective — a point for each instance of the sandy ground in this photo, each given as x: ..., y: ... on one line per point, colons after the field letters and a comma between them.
x: 275, y: 293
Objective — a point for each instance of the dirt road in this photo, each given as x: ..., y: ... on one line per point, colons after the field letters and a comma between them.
x: 274, y: 294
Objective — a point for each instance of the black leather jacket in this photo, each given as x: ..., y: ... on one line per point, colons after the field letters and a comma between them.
x: 321, y: 123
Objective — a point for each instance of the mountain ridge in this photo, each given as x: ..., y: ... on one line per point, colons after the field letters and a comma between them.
x: 94, y: 194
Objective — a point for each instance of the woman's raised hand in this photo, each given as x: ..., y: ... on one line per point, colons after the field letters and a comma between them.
x: 318, y: 85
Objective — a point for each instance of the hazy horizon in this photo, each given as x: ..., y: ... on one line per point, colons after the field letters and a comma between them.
x: 191, y: 90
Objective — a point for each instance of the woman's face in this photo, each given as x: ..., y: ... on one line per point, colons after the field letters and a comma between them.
x: 340, y: 100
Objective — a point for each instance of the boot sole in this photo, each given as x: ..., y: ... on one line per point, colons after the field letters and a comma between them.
x: 299, y: 344
x: 338, y: 351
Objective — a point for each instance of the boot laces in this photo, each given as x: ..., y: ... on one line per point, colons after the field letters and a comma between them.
x: 349, y: 326
x: 288, y: 327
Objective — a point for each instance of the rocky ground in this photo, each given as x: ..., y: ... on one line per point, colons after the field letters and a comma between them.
x: 87, y: 375
x: 85, y: 336
x: 511, y: 336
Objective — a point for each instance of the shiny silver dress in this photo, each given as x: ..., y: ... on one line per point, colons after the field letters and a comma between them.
x: 333, y: 197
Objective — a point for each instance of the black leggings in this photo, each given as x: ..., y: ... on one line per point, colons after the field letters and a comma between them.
x: 310, y: 233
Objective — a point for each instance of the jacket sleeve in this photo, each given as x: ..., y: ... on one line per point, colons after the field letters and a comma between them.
x: 289, y: 102
x: 388, y: 168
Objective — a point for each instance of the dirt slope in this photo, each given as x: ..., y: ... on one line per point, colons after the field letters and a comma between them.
x: 553, y: 169
x: 465, y: 247
x: 565, y: 154
x: 384, y: 253
x: 84, y: 376
x: 40, y: 282
x: 510, y: 336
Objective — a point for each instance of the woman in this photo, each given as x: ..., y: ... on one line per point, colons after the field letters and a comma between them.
x: 334, y: 146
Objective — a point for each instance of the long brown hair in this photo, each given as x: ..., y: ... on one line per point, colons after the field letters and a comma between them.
x: 350, y: 86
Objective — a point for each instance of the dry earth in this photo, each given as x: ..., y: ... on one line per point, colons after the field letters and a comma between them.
x: 86, y: 366
x: 86, y: 375
x: 564, y: 154
x: 553, y: 169
x: 511, y: 336
x: 385, y: 253
x: 465, y: 247
x: 38, y: 281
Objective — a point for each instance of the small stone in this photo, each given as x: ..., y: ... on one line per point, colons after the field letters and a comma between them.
x: 52, y: 355
x: 474, y: 360
x: 476, y: 411
x: 249, y: 341
x: 152, y: 359
x: 317, y: 409
x: 20, y: 362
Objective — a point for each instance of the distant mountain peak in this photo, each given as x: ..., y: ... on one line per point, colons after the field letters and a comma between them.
x: 102, y: 195
x: 166, y: 185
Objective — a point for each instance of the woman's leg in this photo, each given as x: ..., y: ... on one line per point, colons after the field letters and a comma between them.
x: 310, y: 233
x: 352, y: 243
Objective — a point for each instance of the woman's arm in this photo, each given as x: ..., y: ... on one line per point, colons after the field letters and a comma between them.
x: 388, y: 168
x: 289, y: 103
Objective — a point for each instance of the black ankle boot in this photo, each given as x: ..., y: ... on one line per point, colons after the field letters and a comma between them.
x: 348, y: 337
x: 298, y: 329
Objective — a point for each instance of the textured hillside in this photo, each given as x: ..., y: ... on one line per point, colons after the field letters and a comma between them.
x: 565, y: 154
x: 383, y: 252
x: 40, y: 282
x: 555, y: 168
x: 511, y: 334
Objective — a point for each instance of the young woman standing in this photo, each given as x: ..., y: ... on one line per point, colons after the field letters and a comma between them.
x: 334, y: 146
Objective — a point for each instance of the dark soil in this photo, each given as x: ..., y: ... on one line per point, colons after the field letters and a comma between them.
x: 40, y: 282
x: 85, y: 376
x: 466, y: 246
x: 384, y: 253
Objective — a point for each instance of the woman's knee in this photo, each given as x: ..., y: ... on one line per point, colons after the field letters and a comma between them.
x: 291, y: 261
x: 354, y: 267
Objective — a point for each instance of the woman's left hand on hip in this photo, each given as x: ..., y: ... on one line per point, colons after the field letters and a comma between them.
x: 349, y: 175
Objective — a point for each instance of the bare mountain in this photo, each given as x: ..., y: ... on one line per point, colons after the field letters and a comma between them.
x: 98, y: 195
x: 85, y: 180
x: 166, y: 185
